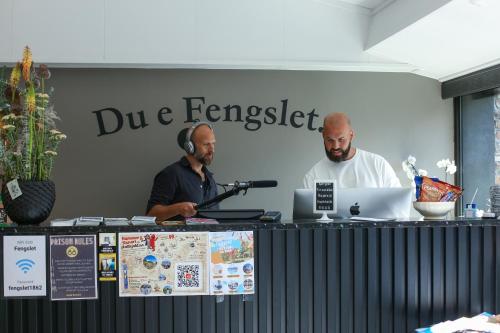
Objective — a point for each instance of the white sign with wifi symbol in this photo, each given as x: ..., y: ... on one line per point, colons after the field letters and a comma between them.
x: 25, y: 265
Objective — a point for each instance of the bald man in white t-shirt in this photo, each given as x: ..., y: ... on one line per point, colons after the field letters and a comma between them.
x: 350, y: 166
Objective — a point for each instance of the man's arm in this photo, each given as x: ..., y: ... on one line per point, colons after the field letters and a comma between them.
x: 162, y: 194
x: 163, y: 212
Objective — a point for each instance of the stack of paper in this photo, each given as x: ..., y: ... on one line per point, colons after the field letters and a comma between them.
x: 143, y: 220
x: 495, y: 199
x: 116, y: 221
x: 193, y: 220
x: 92, y: 221
x: 62, y: 222
x: 479, y: 323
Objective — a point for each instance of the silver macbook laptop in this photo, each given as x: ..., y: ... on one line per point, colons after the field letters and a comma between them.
x: 386, y: 203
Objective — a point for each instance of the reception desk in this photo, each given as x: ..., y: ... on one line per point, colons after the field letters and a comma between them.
x: 310, y: 277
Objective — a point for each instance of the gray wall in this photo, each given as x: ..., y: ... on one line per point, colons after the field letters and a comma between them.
x: 393, y: 114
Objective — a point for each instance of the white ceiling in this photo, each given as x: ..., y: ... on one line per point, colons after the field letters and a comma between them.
x: 440, y: 39
x: 368, y: 4
x: 459, y: 37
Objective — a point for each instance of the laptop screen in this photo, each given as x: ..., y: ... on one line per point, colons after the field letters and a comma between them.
x: 388, y: 202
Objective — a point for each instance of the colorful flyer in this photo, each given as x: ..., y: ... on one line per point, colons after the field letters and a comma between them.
x: 24, y: 266
x: 73, y: 273
x: 107, y: 256
x: 232, y: 269
x: 163, y: 263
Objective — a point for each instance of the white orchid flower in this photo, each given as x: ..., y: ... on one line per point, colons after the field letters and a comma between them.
x: 451, y: 168
x: 422, y: 172
x: 408, y: 166
x: 441, y: 164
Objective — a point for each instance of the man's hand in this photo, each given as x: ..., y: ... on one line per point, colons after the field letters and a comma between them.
x: 186, y: 209
x: 163, y: 212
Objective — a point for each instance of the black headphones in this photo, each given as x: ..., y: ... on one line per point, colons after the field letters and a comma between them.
x: 189, y: 146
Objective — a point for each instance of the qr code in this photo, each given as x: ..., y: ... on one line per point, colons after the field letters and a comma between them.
x: 188, y: 276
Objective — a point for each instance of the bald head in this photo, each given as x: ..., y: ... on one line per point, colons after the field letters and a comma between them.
x: 337, y: 119
x: 204, y: 140
x: 202, y: 132
x: 337, y: 136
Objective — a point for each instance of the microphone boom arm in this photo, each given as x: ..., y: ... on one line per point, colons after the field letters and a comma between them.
x: 237, y: 187
x: 219, y: 198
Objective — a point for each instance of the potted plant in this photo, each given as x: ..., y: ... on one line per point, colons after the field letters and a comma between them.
x: 28, y: 142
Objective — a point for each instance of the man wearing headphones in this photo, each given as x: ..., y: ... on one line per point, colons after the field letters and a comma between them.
x: 179, y: 187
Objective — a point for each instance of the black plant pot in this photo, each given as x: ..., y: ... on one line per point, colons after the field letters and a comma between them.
x: 35, y: 203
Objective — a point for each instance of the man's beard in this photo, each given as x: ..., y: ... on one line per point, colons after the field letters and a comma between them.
x: 339, y: 158
x: 204, y: 159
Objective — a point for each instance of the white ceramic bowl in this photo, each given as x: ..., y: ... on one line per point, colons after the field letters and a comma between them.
x: 434, y: 210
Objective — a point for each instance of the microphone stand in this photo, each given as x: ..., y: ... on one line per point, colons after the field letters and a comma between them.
x: 234, y: 191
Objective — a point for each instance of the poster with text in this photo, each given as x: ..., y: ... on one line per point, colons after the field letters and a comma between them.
x: 163, y: 263
x: 73, y: 271
x: 232, y: 269
x: 107, y: 257
x: 24, y: 266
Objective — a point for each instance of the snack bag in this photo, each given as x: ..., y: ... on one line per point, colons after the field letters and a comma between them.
x: 453, y: 192
x: 418, y: 183
x: 433, y: 189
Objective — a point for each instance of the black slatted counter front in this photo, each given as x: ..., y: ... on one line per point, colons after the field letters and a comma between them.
x: 310, y: 277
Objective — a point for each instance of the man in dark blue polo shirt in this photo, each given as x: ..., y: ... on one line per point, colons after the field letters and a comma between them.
x: 179, y: 187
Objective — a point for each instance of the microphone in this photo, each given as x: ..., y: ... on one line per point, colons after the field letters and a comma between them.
x: 255, y: 184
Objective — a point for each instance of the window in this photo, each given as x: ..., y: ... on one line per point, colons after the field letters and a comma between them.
x: 478, y: 140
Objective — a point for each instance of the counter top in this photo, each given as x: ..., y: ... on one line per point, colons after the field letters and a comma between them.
x: 254, y: 225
